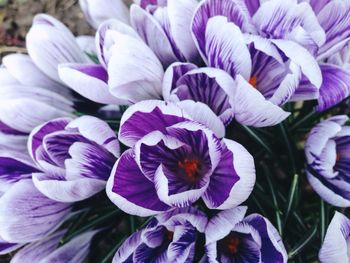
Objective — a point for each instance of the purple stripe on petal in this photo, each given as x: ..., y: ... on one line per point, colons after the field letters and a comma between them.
x: 130, y: 190
x: 335, y: 86
x: 8, y: 130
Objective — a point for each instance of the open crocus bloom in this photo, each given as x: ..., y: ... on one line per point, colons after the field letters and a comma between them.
x: 175, y: 161
x: 327, y: 154
x: 76, y: 157
x: 165, y: 27
x: 335, y: 247
x: 268, y: 67
x: 232, y: 237
x: 169, y: 237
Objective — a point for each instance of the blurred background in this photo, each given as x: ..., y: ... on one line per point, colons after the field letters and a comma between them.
x: 16, y: 18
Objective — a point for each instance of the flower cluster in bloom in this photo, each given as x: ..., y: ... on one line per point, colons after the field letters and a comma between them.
x: 145, y: 117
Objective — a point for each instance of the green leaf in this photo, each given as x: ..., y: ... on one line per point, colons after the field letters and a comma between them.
x: 291, y: 197
x: 303, y: 242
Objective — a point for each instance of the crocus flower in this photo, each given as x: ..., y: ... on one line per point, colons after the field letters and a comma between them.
x: 98, y: 11
x: 75, y: 157
x: 175, y: 161
x: 335, y: 247
x: 49, y: 43
x: 27, y: 98
x: 169, y: 237
x: 327, y: 154
x: 128, y: 72
x: 165, y: 27
x: 232, y: 237
x: 267, y: 67
x: 48, y: 250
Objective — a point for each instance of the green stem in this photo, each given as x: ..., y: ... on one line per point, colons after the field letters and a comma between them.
x: 303, y: 242
x: 322, y: 220
x: 258, y: 139
x: 291, y: 197
x: 290, y: 150
x: 132, y: 224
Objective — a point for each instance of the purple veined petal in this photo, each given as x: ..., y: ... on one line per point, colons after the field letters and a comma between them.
x: 15, y: 166
x: 334, y: 191
x: 37, y: 135
x: 22, y: 68
x: 233, y: 179
x: 143, y: 253
x: 36, y: 251
x: 130, y: 190
x: 305, y: 91
x: 173, y: 73
x: 87, y: 44
x: 251, y: 108
x: 341, y: 58
x: 253, y: 5
x: 124, y: 253
x: 201, y: 113
x: 5, y: 129
x: 180, y: 15
x: 235, y: 11
x: 24, y: 114
x: 225, y: 47
x: 318, y: 5
x: 335, y: 20
x: 57, y: 144
x: 97, y: 11
x: 13, y: 142
x: 105, y: 38
x: 153, y: 34
x: 335, y: 244
x: 97, y: 131
x: 75, y: 250
x: 301, y: 57
x: 222, y: 224
x: 213, y: 87
x: 6, y: 78
x: 263, y: 45
x: 289, y: 85
x: 50, y: 43
x: 6, y: 247
x: 155, y: 149
x: 147, y: 116
x: 90, y: 81
x: 320, y: 135
x: 130, y: 77
x: 335, y: 86
x: 272, y: 248
x: 67, y: 191
x: 88, y: 161
x: 292, y: 14
x: 27, y: 215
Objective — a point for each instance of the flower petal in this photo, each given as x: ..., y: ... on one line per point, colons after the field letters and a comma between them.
x: 132, y: 79
x: 335, y: 86
x: 233, y: 179
x: 131, y: 191
x: 26, y: 215
x: 147, y: 116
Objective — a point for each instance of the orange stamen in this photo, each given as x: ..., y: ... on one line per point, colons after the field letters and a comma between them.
x: 338, y: 157
x: 232, y: 244
x: 253, y: 81
x: 189, y: 166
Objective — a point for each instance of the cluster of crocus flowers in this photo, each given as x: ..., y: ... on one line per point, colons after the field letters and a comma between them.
x: 186, y: 70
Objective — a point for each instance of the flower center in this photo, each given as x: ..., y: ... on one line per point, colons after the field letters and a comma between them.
x: 253, y: 81
x: 169, y: 235
x: 338, y: 157
x: 189, y: 166
x: 232, y: 244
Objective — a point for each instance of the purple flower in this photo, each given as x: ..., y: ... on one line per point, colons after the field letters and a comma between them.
x: 27, y: 98
x: 128, y: 72
x: 169, y: 237
x: 259, y: 53
x: 48, y: 250
x: 231, y: 237
x: 165, y: 27
x: 98, y: 11
x: 76, y: 157
x: 328, y: 160
x: 175, y: 161
x: 335, y: 247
